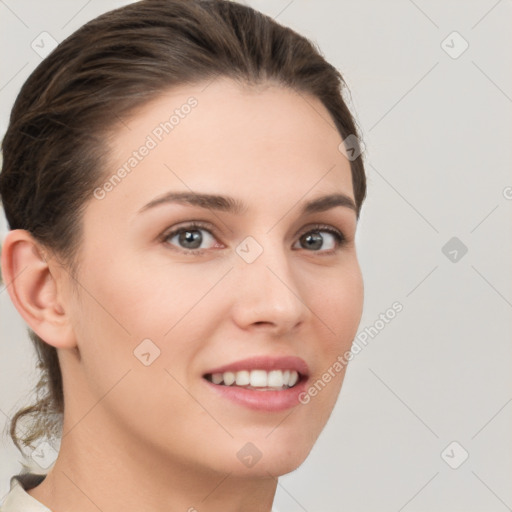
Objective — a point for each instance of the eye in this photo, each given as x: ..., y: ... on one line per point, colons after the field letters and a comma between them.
x: 193, y: 237
x: 322, y: 239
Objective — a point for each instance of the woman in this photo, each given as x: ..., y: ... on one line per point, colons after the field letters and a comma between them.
x: 182, y: 182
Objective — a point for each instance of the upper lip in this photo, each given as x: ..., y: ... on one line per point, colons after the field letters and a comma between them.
x: 265, y: 363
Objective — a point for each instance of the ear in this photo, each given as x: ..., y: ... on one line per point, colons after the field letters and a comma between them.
x: 35, y: 286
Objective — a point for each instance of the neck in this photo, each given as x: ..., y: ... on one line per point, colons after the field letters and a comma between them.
x: 95, y: 470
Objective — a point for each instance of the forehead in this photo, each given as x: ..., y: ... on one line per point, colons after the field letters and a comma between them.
x: 222, y: 137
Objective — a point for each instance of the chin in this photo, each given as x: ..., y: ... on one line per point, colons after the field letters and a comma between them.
x: 278, y: 466
x: 263, y: 457
x: 267, y: 467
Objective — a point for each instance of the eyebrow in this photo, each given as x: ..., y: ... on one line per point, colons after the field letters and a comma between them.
x: 232, y: 205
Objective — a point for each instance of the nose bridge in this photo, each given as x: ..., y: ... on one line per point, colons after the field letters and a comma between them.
x: 268, y: 288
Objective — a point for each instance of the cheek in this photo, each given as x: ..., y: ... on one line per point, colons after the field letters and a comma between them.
x: 172, y: 305
x: 163, y: 294
x: 119, y: 310
x: 337, y: 302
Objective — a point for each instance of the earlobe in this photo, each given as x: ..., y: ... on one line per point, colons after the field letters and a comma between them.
x: 34, y: 285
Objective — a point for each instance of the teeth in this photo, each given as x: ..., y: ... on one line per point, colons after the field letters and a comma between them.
x: 294, y: 377
x: 259, y: 379
x: 275, y: 379
x: 217, y: 378
x: 242, y: 378
x: 227, y: 377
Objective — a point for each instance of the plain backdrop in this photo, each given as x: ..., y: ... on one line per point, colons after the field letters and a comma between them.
x: 423, y: 421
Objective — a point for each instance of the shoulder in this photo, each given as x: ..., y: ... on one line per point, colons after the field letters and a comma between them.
x: 18, y: 499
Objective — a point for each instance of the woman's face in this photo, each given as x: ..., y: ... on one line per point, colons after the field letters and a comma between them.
x: 258, y: 288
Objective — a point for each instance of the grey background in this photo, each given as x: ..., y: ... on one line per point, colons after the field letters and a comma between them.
x: 438, y: 135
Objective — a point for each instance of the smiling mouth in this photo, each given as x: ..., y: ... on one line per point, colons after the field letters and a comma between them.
x: 257, y: 380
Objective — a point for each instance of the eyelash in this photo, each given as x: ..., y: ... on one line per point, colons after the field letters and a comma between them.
x: 339, y: 237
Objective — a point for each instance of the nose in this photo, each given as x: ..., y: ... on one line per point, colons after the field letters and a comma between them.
x: 268, y: 293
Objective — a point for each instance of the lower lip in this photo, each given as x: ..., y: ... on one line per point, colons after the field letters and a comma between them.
x: 270, y: 401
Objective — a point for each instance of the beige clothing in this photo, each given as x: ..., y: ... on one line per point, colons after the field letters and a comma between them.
x: 18, y: 499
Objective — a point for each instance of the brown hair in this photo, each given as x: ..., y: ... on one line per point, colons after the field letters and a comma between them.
x: 54, y: 151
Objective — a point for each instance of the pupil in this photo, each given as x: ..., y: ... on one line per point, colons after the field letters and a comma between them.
x: 191, y: 239
x: 314, y: 241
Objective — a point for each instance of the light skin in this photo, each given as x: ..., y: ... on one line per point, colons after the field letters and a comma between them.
x: 156, y: 438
